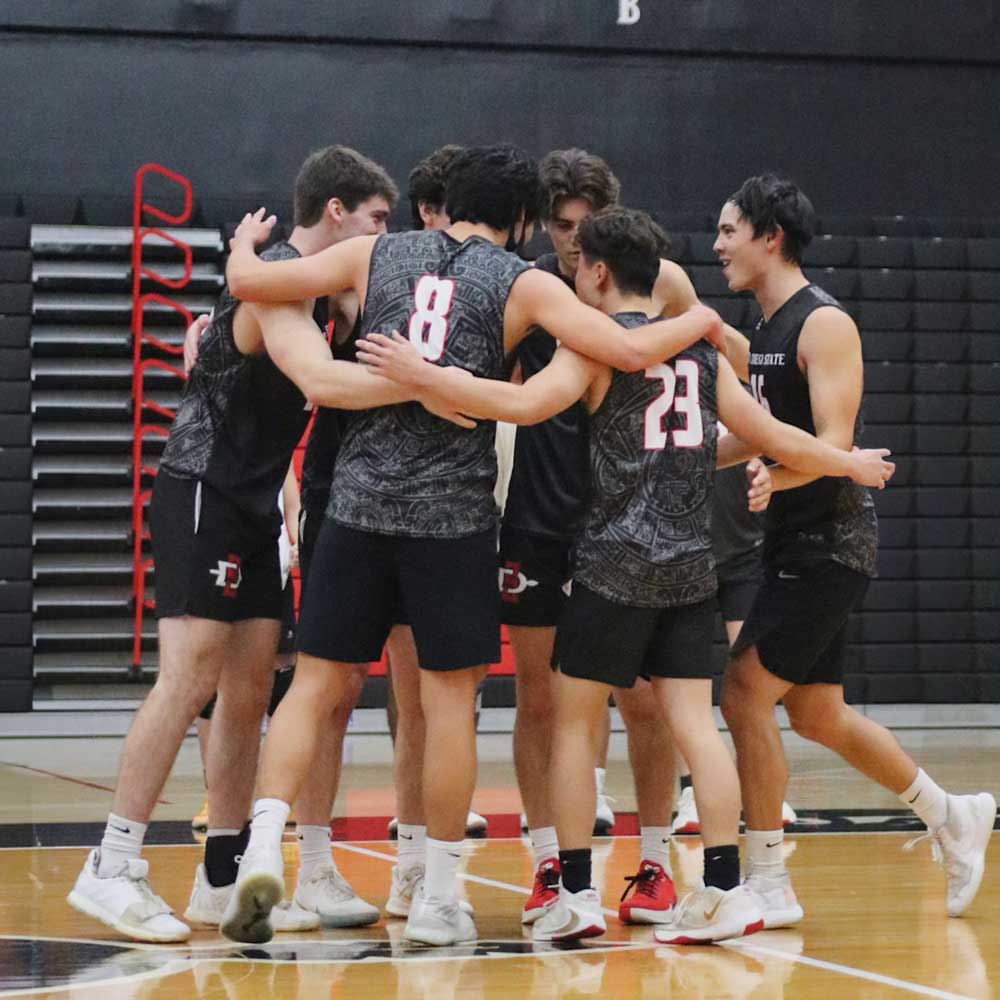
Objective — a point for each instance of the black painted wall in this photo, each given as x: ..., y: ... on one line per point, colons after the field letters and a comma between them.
x: 875, y: 106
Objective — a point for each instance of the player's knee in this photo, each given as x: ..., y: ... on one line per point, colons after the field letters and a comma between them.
x: 823, y: 727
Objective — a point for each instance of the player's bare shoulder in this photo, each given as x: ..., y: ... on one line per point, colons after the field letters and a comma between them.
x: 673, y: 291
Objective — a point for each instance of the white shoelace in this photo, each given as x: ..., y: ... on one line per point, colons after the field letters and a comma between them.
x: 150, y: 905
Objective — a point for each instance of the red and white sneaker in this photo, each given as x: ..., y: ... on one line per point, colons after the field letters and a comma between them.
x: 544, y: 892
x: 574, y: 915
x: 653, y: 899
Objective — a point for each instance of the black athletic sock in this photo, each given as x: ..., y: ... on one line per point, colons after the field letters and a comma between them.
x: 221, y: 853
x: 685, y: 781
x: 722, y: 866
x: 575, y: 869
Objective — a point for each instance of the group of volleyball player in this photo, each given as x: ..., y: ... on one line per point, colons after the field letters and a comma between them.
x: 623, y: 385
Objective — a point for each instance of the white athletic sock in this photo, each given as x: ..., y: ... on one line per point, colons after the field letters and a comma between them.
x: 121, y: 842
x: 411, y: 845
x: 222, y: 833
x: 314, y: 849
x: 544, y: 844
x: 928, y: 800
x: 443, y: 859
x: 763, y: 852
x: 268, y: 824
x: 654, y: 845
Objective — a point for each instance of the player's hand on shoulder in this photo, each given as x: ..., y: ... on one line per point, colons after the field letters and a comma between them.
x: 713, y: 331
x: 253, y: 229
x: 395, y: 358
x: 191, y: 338
x: 871, y: 467
x: 760, y: 485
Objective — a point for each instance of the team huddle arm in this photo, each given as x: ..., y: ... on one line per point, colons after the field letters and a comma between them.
x: 792, y: 446
x: 560, y: 384
x: 737, y: 351
x: 541, y: 299
x: 733, y: 450
x: 296, y: 347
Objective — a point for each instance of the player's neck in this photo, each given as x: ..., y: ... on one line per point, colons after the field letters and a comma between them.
x: 310, y: 239
x: 613, y: 302
x: 463, y: 231
x: 777, y: 287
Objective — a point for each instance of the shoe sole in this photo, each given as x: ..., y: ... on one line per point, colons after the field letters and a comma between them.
x: 786, y: 917
x: 254, y: 899
x: 602, y: 828
x: 645, y: 916
x: 438, y: 939
x: 709, y: 934
x: 341, y: 920
x: 985, y: 809
x: 91, y: 909
x: 687, y: 828
x: 530, y: 916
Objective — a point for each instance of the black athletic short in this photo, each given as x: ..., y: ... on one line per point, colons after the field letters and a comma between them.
x: 534, y: 578
x: 798, y: 621
x: 310, y: 525
x: 447, y: 587
x: 739, y: 579
x: 212, y: 559
x: 599, y: 640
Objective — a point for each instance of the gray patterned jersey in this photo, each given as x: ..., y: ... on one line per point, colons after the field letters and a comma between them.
x: 828, y: 518
x: 240, y: 417
x: 402, y: 470
x: 647, y: 536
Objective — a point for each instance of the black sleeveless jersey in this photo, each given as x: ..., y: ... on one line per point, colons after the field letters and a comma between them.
x: 551, y: 471
x: 829, y: 518
x: 327, y: 432
x: 239, y: 419
x: 647, y: 535
x: 736, y: 531
x: 402, y: 470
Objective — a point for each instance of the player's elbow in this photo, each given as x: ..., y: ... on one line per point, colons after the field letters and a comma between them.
x: 239, y: 283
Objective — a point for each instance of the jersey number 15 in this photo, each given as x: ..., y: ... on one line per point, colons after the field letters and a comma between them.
x: 692, y: 434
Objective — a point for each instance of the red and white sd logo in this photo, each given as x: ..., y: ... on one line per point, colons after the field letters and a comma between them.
x: 228, y: 575
x: 513, y: 582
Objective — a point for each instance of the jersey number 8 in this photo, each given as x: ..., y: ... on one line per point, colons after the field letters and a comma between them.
x: 429, y: 321
x: 692, y: 434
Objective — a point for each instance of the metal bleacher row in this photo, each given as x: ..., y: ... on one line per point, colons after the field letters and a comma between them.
x: 925, y: 293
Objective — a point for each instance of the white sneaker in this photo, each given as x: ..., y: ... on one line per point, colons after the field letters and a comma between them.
x: 604, y: 817
x: 475, y: 825
x: 686, y: 820
x: 776, y: 899
x: 260, y: 886
x: 960, y: 846
x: 126, y: 902
x: 572, y: 916
x: 524, y: 823
x: 788, y: 815
x: 208, y: 904
x: 327, y: 893
x: 406, y: 883
x: 711, y: 914
x: 438, y: 921
x: 393, y: 828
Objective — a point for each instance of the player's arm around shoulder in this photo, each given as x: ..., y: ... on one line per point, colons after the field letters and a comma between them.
x: 791, y: 445
x: 250, y: 279
x: 541, y: 299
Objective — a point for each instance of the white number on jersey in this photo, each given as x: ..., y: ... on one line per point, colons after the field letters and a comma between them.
x: 429, y: 321
x: 692, y: 434
x: 757, y: 391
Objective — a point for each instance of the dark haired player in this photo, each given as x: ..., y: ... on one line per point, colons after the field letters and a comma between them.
x: 411, y: 509
x: 644, y: 584
x: 803, y: 362
x: 214, y: 523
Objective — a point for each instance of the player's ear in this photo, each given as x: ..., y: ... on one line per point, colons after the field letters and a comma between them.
x: 335, y: 209
x: 774, y: 239
x: 427, y: 213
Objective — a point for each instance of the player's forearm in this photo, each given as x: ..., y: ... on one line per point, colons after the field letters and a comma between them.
x: 490, y: 399
x: 251, y: 279
x: 804, y: 457
x: 344, y: 385
x: 649, y: 345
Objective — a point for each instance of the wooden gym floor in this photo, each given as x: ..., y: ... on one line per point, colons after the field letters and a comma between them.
x: 875, y: 924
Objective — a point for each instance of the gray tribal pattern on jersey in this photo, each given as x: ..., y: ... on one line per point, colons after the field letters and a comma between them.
x: 647, y: 536
x: 402, y: 470
x: 240, y: 417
